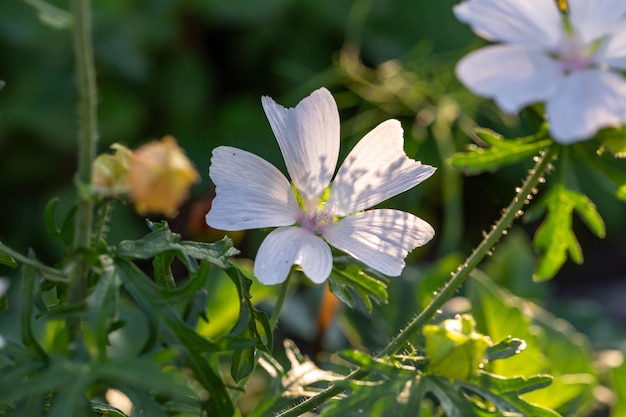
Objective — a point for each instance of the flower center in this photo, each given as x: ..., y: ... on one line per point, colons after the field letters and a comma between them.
x: 315, y: 222
x: 574, y: 55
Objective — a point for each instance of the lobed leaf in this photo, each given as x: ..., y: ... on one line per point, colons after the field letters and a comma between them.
x: 555, y: 237
x: 506, y: 348
x: 354, y: 284
x: 162, y: 240
x: 500, y: 151
x: 147, y: 296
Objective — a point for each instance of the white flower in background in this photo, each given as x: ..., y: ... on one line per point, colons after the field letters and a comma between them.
x: 4, y: 286
x: 572, y: 62
x: 252, y: 193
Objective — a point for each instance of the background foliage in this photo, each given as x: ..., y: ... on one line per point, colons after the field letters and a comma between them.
x: 196, y: 69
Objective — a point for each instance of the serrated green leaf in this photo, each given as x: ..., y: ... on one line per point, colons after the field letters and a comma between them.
x: 387, y: 366
x: 515, y: 385
x: 162, y: 239
x: 353, y: 283
x: 553, y: 346
x: 500, y: 151
x: 506, y: 348
x: 452, y: 401
x: 555, y: 237
x: 147, y: 296
x: 510, y: 402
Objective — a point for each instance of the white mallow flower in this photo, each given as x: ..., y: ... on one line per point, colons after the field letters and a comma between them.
x: 572, y: 62
x: 251, y: 193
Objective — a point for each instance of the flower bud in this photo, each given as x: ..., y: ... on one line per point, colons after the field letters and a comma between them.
x: 110, y: 171
x: 454, y: 348
x: 160, y: 176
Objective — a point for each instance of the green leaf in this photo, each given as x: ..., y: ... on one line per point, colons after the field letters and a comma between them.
x: 106, y: 410
x: 553, y: 346
x: 29, y: 276
x: 517, y: 385
x: 614, y: 141
x: 387, y: 366
x: 511, y: 402
x: 7, y: 260
x: 555, y: 237
x: 617, y: 378
x: 64, y: 232
x: 162, y: 239
x: 147, y: 296
x: 102, y: 304
x: 500, y: 151
x: 243, y: 360
x: 353, y: 284
x: 506, y: 348
x: 163, y: 276
x: 51, y: 15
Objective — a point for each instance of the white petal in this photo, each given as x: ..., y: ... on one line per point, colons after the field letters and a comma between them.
x: 513, y: 76
x: 612, y: 51
x: 308, y: 136
x: 287, y: 246
x: 532, y: 23
x: 250, y: 192
x: 381, y: 239
x: 585, y: 102
x: 375, y: 170
x: 592, y: 19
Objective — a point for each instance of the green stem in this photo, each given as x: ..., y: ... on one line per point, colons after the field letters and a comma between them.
x: 87, y: 137
x: 284, y: 289
x: 491, y: 238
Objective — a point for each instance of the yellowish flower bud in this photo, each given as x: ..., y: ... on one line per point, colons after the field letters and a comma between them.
x: 454, y: 348
x: 110, y: 171
x: 160, y: 176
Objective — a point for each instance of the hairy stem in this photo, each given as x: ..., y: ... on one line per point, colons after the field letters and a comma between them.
x: 458, y: 277
x: 87, y: 137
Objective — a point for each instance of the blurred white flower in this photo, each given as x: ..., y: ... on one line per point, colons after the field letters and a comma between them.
x: 571, y: 61
x: 252, y: 193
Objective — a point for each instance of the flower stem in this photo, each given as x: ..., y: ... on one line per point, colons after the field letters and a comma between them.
x: 87, y: 137
x: 284, y: 289
x: 458, y: 277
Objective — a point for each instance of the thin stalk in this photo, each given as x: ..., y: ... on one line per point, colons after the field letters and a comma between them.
x: 282, y: 296
x: 458, y: 277
x: 87, y: 137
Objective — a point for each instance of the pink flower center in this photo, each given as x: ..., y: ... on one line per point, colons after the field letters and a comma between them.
x: 315, y: 222
x: 574, y: 55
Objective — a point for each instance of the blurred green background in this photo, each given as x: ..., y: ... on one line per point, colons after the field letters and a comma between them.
x: 196, y: 69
